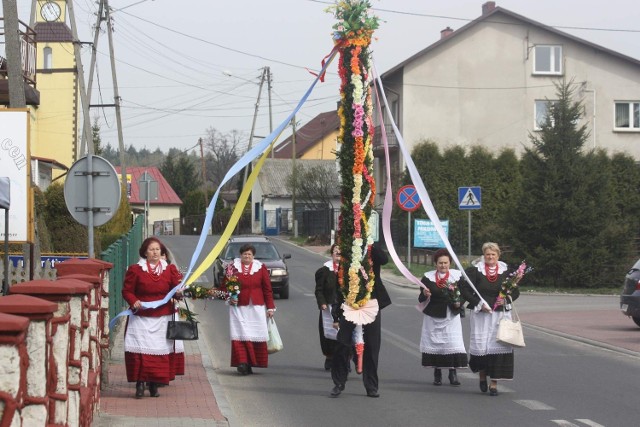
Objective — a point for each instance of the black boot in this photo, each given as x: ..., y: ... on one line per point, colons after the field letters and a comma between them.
x: 243, y: 369
x: 153, y: 389
x: 437, y: 376
x: 139, y: 389
x: 453, y: 377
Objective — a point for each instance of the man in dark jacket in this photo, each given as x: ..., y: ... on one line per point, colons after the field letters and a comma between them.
x: 371, y: 331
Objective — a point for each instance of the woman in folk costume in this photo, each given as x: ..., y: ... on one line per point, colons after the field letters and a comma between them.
x: 488, y: 357
x: 249, y: 310
x: 149, y: 355
x: 441, y: 342
x: 326, y: 285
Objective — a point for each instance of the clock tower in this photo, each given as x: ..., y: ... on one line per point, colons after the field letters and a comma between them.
x: 55, y: 133
x: 51, y: 11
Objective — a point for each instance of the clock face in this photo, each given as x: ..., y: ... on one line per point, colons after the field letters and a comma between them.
x: 50, y: 11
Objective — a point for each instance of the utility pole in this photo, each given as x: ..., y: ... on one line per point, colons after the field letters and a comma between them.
x: 104, y: 14
x: 116, y: 94
x: 92, y: 65
x: 295, y: 177
x: 255, y: 116
x: 86, y: 123
x: 270, y: 112
x: 17, y: 97
x: 204, y: 172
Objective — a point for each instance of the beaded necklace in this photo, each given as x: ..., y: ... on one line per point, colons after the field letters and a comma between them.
x: 154, y: 271
x: 441, y: 282
x: 491, y: 273
x: 246, y: 268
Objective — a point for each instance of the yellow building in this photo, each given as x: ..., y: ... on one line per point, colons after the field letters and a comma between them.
x: 316, y: 140
x: 54, y: 130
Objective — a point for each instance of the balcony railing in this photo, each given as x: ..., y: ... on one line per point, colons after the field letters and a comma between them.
x: 392, y: 141
x: 27, y: 52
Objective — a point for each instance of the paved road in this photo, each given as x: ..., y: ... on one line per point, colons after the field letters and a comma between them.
x: 575, y: 381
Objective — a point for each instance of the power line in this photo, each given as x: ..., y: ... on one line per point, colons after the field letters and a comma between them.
x: 455, y: 18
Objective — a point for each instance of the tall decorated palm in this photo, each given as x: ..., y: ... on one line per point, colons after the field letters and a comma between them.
x: 352, y: 36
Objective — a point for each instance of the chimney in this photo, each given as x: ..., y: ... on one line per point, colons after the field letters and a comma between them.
x: 488, y: 7
x: 444, y: 33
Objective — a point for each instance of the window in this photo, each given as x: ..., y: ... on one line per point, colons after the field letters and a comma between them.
x: 541, y: 111
x: 256, y: 210
x: 627, y: 115
x: 48, y: 60
x: 547, y: 60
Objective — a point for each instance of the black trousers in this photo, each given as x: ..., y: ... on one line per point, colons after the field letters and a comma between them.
x: 343, y: 352
x: 326, y: 345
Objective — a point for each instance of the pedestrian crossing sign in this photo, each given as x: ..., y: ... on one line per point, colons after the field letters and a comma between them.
x: 469, y: 198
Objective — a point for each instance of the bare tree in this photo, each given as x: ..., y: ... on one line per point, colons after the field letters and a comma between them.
x: 223, y: 151
x: 316, y: 186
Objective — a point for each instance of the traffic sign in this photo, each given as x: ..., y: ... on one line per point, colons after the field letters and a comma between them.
x: 469, y: 198
x: 408, y: 198
x: 106, y: 191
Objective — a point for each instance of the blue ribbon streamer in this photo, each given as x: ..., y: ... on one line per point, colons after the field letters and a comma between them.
x: 247, y: 158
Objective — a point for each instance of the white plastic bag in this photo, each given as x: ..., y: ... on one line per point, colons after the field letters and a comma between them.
x: 330, y: 332
x: 274, y: 344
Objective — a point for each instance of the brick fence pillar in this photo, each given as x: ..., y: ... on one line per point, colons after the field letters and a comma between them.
x: 34, y: 410
x: 71, y: 298
x: 14, y: 360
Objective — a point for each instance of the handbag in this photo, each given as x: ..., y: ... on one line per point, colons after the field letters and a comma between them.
x: 274, y: 344
x: 510, y: 330
x: 182, y: 329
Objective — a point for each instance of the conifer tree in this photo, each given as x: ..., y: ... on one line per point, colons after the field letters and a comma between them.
x: 560, y: 223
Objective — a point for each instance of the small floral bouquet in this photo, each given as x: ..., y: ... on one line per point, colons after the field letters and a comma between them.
x: 186, y: 314
x: 453, y: 292
x: 194, y: 291
x: 232, y: 283
x: 511, y: 282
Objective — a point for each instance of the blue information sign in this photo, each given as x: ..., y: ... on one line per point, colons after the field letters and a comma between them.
x: 469, y: 198
x: 425, y: 234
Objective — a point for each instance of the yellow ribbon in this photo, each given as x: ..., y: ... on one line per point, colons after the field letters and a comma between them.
x: 235, y: 217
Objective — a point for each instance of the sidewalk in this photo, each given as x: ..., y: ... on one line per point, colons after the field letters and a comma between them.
x: 187, y: 401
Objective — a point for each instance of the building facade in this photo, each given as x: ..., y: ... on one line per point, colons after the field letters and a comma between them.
x: 489, y: 82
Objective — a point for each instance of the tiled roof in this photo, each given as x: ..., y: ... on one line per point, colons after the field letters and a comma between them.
x: 275, y: 172
x: 308, y: 135
x: 52, y: 32
x: 166, y: 195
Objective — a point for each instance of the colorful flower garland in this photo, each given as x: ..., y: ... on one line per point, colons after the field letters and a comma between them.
x: 352, y: 36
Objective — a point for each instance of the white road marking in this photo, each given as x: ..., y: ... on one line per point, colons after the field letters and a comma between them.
x: 535, y: 405
x: 564, y: 423
x: 589, y: 422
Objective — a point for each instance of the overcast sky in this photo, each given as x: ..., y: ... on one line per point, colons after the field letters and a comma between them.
x: 184, y: 66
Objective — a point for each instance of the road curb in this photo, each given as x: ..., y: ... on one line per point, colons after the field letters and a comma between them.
x: 583, y: 340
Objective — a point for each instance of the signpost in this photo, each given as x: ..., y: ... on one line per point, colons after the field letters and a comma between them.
x: 408, y: 200
x: 469, y: 198
x: 147, y: 190
x: 92, y: 193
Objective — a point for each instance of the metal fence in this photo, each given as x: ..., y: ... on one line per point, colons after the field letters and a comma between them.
x: 121, y: 254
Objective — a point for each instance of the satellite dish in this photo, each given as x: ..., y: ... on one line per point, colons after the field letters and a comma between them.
x: 106, y: 191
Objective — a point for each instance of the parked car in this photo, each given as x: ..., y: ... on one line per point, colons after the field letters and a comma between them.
x: 266, y: 253
x: 630, y: 297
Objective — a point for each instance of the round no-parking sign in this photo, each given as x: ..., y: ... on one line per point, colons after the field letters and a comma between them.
x: 408, y: 198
